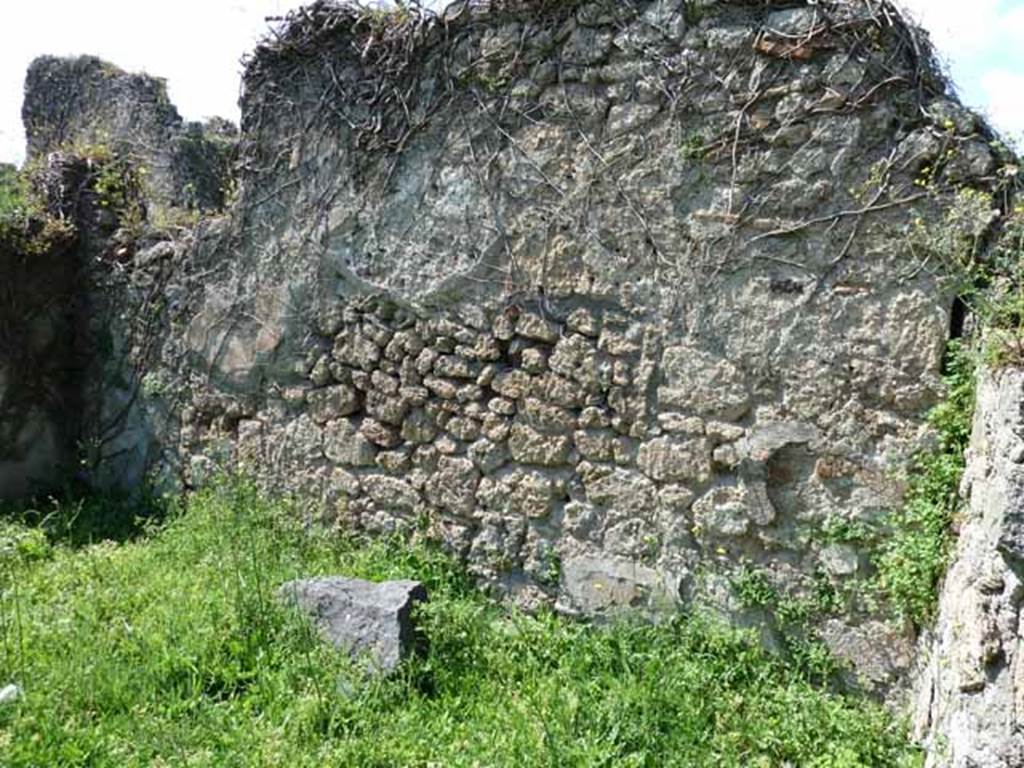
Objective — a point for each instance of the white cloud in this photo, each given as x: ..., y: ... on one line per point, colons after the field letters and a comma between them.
x: 955, y: 29
x: 981, y: 41
x: 1012, y: 24
x: 1005, y: 96
x: 195, y: 44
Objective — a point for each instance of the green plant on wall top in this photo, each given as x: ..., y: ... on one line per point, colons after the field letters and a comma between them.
x: 12, y: 196
x: 118, y: 184
x: 25, y: 225
x: 1001, y: 305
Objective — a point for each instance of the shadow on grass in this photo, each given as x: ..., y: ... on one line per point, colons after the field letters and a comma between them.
x: 78, y: 517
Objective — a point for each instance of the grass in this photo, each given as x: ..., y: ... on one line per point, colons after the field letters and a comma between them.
x: 165, y: 646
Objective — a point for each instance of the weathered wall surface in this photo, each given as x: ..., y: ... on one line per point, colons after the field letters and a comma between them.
x: 87, y: 101
x: 615, y: 299
x: 971, y: 695
x: 79, y: 298
x: 118, y: 175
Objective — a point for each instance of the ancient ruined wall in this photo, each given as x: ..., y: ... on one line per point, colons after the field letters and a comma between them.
x: 86, y: 103
x: 971, y: 694
x: 114, y: 181
x: 614, y: 300
x: 617, y: 300
x: 80, y: 306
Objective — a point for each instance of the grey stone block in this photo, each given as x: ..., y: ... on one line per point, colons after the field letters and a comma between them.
x: 367, y: 620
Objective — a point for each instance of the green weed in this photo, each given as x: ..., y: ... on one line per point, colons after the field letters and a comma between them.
x: 170, y: 648
x: 912, y: 558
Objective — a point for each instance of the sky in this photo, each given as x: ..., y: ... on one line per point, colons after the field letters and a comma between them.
x: 982, y: 44
x: 197, y: 46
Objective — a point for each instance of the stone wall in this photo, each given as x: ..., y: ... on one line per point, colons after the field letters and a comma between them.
x: 86, y: 103
x: 116, y: 173
x: 971, y: 692
x: 616, y: 300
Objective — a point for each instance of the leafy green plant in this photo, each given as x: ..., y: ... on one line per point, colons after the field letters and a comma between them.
x: 753, y: 589
x: 793, y: 617
x: 119, y: 186
x: 1000, y: 304
x: 841, y: 530
x: 693, y: 148
x: 25, y: 225
x: 913, y: 556
x: 12, y: 193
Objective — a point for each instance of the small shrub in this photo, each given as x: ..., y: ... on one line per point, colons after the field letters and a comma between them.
x: 693, y: 148
x: 1000, y: 304
x: 793, y: 618
x: 12, y: 193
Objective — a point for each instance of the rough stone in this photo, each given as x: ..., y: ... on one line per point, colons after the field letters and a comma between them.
x: 521, y: 493
x: 332, y: 402
x: 545, y: 417
x: 534, y: 360
x: 455, y: 367
x: 344, y: 445
x: 463, y: 428
x: 840, y: 560
x: 357, y: 351
x: 419, y: 427
x: 627, y: 492
x: 368, y: 621
x: 582, y: 320
x: 380, y: 434
x: 575, y: 358
x: 602, y: 584
x: 488, y: 456
x: 699, y: 381
x: 793, y: 22
x: 512, y: 384
x: 532, y: 447
x: 453, y: 488
x: 535, y: 327
x: 595, y: 445
x: 392, y: 494
x: 670, y: 460
x: 877, y: 653
x: 731, y: 511
x: 970, y: 688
